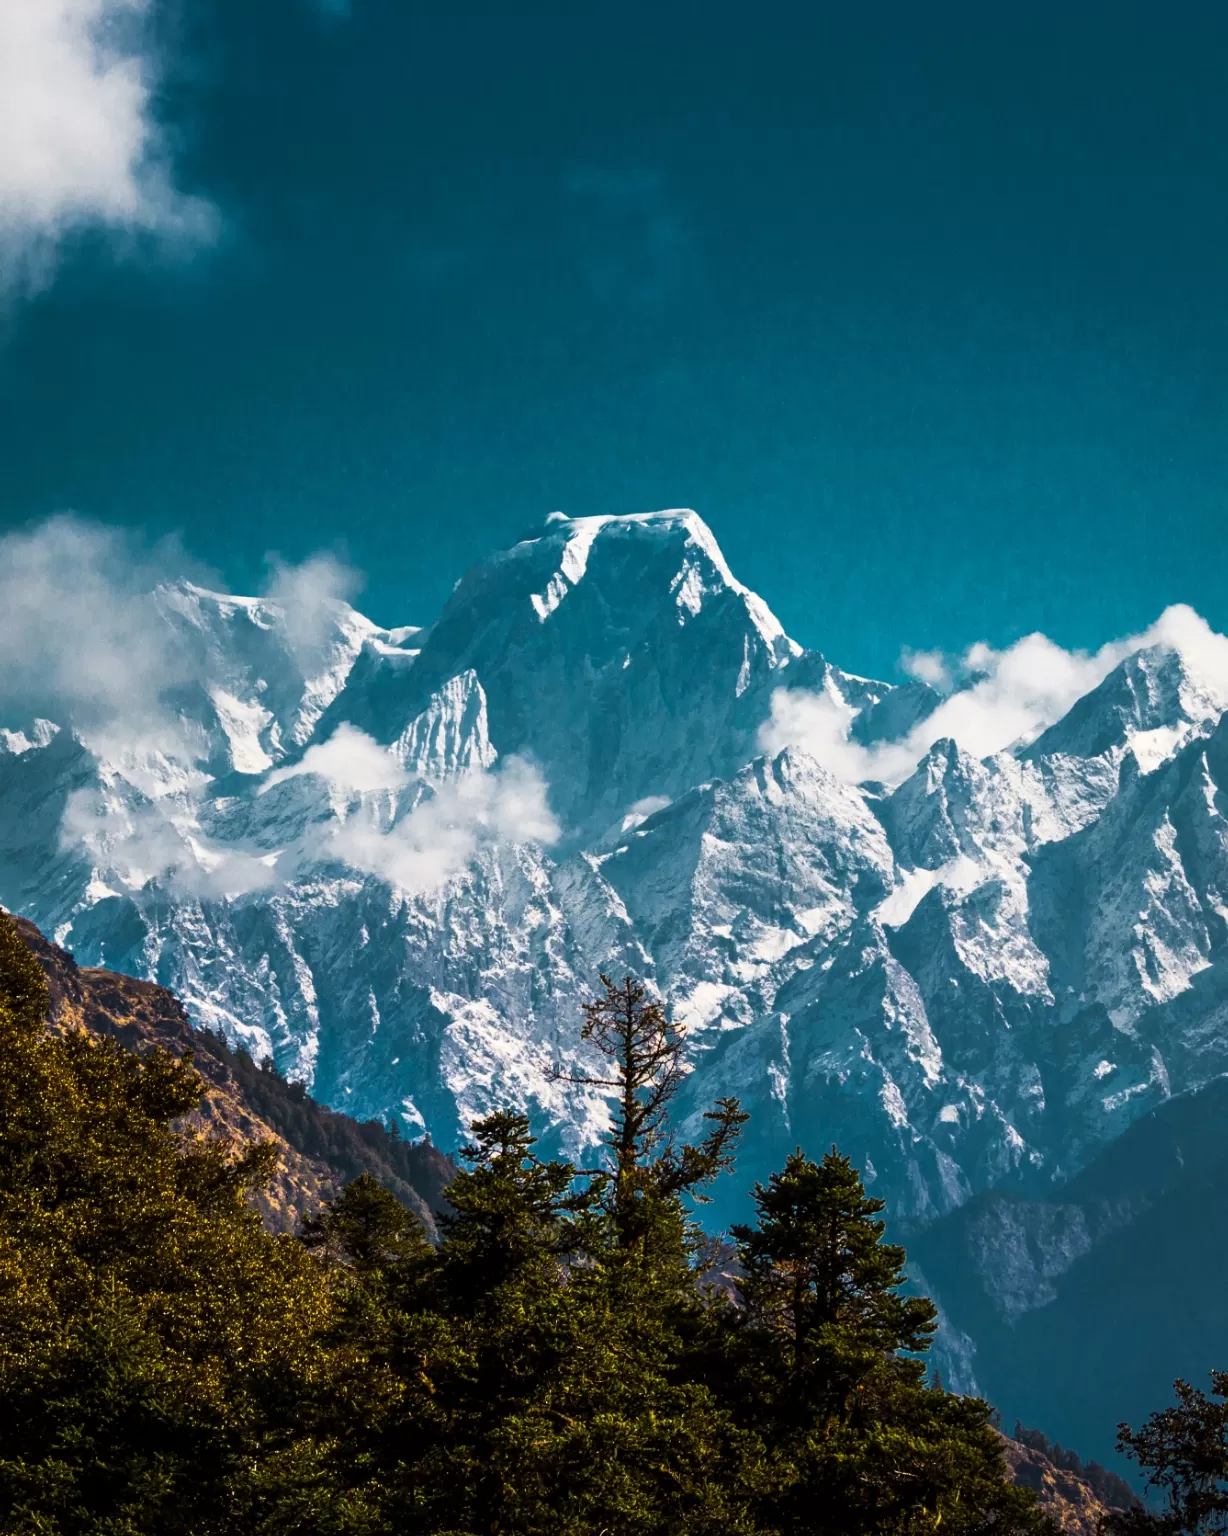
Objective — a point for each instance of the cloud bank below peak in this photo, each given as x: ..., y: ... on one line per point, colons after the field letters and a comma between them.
x: 429, y: 838
x: 89, y: 640
x: 1009, y: 697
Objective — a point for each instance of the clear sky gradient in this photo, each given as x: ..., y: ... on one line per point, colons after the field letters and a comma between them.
x: 924, y: 308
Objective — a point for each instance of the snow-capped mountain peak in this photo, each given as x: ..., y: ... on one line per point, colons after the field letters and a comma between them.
x: 397, y: 859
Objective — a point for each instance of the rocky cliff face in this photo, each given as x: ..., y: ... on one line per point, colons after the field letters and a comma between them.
x: 1069, y: 1500
x: 396, y: 860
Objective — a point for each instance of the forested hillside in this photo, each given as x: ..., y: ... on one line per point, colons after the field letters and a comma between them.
x: 555, y: 1363
x: 318, y: 1150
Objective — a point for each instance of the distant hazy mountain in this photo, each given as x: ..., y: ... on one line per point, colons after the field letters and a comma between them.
x: 395, y: 861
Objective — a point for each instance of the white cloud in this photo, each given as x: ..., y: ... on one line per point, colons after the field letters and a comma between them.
x: 85, y: 643
x: 437, y: 839
x: 1009, y: 698
x: 927, y: 667
x: 819, y: 724
x: 80, y: 637
x: 1204, y: 649
x: 309, y: 596
x: 1018, y: 692
x: 350, y: 760
x: 132, y: 841
x: 642, y: 810
x: 79, y: 142
x: 136, y: 842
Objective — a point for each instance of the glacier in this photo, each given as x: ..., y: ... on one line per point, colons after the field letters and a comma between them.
x: 396, y: 861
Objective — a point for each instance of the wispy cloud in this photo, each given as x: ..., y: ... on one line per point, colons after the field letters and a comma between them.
x: 350, y: 760
x: 308, y: 595
x: 927, y: 667
x: 80, y: 638
x: 83, y: 640
x: 429, y: 841
x: 1007, y: 696
x: 134, y: 842
x: 80, y: 143
x: 445, y: 830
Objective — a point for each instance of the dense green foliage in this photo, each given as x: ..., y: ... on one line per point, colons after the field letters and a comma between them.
x: 151, y: 1333
x: 557, y: 1365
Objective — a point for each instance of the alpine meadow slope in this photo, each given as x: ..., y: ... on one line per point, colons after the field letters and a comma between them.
x: 971, y: 932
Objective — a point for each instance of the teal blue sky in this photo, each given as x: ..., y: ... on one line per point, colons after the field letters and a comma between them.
x: 924, y: 308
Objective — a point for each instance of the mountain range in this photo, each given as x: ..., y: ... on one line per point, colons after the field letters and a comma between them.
x: 971, y: 927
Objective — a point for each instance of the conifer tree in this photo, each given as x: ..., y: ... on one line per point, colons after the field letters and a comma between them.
x: 825, y: 1361
x: 648, y: 1173
x: 534, y: 1397
x: 512, y: 1215
x: 369, y: 1229
x: 821, y: 1283
x: 480, y: 1336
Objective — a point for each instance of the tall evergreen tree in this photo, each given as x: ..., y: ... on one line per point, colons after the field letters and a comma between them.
x: 535, y: 1400
x: 648, y: 1172
x: 823, y: 1288
x: 826, y: 1366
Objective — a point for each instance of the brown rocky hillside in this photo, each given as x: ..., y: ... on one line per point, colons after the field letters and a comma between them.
x: 319, y: 1151
x: 1068, y: 1499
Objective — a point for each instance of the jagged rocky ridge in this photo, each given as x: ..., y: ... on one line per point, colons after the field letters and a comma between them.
x: 395, y: 861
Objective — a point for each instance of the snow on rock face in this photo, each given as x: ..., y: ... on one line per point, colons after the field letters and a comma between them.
x: 271, y: 674
x: 725, y: 883
x: 974, y: 980
x: 620, y: 654
x: 451, y: 736
x: 1151, y: 702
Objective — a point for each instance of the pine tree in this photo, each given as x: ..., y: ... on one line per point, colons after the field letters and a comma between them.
x: 512, y: 1217
x: 476, y: 1336
x: 647, y: 1172
x: 825, y: 1363
x: 821, y: 1283
x: 542, y: 1387
x: 643, y: 1274
x: 368, y: 1229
